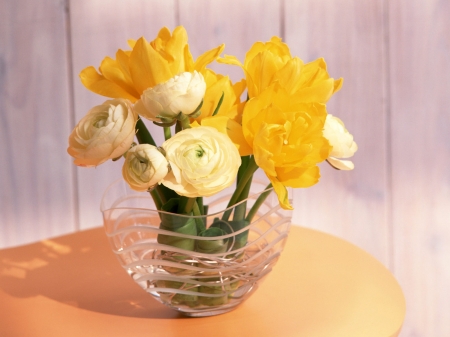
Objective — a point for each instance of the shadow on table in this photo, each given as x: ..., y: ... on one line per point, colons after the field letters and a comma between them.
x: 79, y: 270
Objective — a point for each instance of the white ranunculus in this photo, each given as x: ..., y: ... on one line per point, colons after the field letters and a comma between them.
x: 342, y: 142
x: 182, y: 93
x: 203, y: 161
x: 106, y: 132
x: 144, y: 167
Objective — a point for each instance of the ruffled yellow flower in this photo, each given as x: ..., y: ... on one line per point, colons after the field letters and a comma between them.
x: 271, y: 62
x: 287, y: 139
x: 229, y: 116
x: 146, y: 65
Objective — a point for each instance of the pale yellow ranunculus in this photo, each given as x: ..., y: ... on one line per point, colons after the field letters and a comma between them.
x: 146, y: 65
x: 183, y: 93
x: 106, y: 132
x: 342, y: 142
x: 144, y: 167
x: 271, y: 62
x: 286, y: 138
x: 203, y: 162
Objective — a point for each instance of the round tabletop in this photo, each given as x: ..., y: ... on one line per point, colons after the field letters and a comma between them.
x: 73, y: 285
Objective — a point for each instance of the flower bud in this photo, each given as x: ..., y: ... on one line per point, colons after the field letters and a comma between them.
x: 144, y: 167
x: 182, y: 93
x: 341, y: 141
x: 106, y: 132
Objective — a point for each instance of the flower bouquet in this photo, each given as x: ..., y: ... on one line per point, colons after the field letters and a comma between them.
x: 184, y: 242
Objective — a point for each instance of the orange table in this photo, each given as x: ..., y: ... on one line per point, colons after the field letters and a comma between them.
x: 73, y: 286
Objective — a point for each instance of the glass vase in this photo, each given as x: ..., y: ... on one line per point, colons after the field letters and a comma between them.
x: 196, y: 275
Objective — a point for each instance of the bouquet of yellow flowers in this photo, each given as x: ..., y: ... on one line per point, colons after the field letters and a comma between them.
x: 212, y: 137
x: 283, y: 126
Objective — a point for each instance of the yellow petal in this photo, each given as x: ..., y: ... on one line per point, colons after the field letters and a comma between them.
x: 261, y: 72
x: 123, y: 60
x: 231, y: 60
x: 320, y: 93
x: 188, y: 59
x: 175, y: 47
x: 281, y: 192
x: 147, y: 67
x: 288, y: 75
x: 229, y: 127
x: 164, y: 34
x: 131, y: 43
x: 208, y: 57
x: 299, y: 177
x: 338, y: 85
x: 112, y: 71
x: 216, y: 86
x: 100, y: 85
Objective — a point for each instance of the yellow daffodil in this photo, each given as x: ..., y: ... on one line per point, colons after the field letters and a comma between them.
x: 146, y: 65
x: 271, y: 62
x: 287, y: 139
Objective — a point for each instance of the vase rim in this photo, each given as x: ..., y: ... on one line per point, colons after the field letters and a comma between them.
x: 137, y: 194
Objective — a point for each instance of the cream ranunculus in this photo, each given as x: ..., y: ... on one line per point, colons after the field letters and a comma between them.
x: 203, y: 161
x: 182, y: 93
x: 106, y: 132
x: 341, y: 141
x: 144, y: 167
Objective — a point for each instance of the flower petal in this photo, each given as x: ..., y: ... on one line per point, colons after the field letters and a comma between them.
x: 281, y: 192
x: 147, y: 66
x: 97, y: 83
x: 345, y: 165
x: 208, y: 57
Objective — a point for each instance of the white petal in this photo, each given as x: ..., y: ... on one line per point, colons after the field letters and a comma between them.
x: 345, y: 165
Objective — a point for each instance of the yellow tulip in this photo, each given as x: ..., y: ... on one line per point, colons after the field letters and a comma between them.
x: 287, y: 139
x: 271, y: 62
x: 229, y: 116
x: 146, y: 65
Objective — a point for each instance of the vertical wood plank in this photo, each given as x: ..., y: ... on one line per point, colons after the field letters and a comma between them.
x: 349, y: 35
x: 236, y: 23
x: 97, y: 31
x: 420, y: 81
x: 36, y: 185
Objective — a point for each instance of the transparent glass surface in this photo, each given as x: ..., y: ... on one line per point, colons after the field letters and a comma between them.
x: 216, y: 273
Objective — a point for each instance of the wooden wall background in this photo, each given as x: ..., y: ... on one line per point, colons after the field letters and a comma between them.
x: 395, y: 59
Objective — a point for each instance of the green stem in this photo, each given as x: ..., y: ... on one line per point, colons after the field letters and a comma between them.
x: 239, y: 211
x: 246, y: 176
x: 245, y: 160
x: 200, y: 205
x: 184, y: 121
x: 167, y: 133
x: 156, y: 198
x: 142, y: 133
x: 258, y: 203
x: 161, y: 195
x: 185, y: 206
x: 178, y: 127
x: 201, y: 226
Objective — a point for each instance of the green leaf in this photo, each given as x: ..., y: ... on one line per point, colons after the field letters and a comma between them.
x: 178, y: 223
x: 212, y: 246
x: 218, y: 104
x: 240, y: 240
